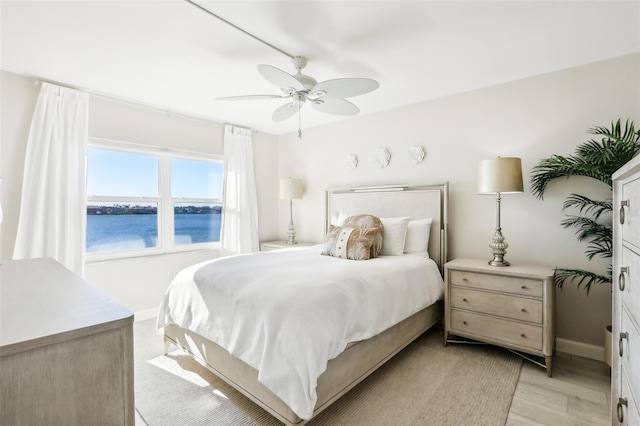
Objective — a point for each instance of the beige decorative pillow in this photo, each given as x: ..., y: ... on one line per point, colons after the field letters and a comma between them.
x: 349, y: 243
x: 367, y: 221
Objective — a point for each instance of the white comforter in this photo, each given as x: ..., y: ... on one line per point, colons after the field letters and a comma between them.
x: 288, y: 312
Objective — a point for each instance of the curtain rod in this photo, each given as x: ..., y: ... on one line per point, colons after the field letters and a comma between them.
x: 38, y: 80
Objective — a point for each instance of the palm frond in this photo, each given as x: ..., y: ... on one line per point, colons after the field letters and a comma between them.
x: 587, y: 227
x: 599, y: 236
x: 601, y: 249
x: 580, y: 277
x: 615, y: 132
x: 558, y: 166
x: 595, y: 159
x: 616, y: 147
x: 587, y: 205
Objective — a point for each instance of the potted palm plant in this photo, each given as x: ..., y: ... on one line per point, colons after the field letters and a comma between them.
x: 597, y: 159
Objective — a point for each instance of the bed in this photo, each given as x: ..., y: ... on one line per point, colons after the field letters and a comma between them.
x: 296, y: 376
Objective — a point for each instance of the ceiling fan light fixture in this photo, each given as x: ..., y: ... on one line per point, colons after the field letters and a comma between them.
x: 289, y: 91
x: 316, y: 94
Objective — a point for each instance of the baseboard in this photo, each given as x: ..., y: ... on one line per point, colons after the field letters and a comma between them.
x: 580, y: 349
x: 145, y: 315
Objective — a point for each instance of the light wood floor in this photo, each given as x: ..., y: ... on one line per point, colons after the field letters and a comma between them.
x: 577, y: 394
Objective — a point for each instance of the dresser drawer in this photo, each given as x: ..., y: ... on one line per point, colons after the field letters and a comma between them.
x: 514, y: 285
x: 519, y: 334
x: 630, y: 412
x: 631, y: 279
x: 508, y: 306
x: 631, y: 227
x: 630, y: 348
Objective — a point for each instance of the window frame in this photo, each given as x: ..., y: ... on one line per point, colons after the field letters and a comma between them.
x: 165, y: 202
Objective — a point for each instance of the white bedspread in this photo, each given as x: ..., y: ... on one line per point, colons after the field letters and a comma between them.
x: 288, y: 312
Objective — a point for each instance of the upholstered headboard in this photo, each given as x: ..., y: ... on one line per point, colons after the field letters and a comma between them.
x: 417, y: 202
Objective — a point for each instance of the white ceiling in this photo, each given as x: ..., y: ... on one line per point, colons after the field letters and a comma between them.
x: 170, y: 55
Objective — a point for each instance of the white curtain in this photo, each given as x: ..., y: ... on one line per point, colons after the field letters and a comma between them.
x: 239, y: 229
x: 52, y: 219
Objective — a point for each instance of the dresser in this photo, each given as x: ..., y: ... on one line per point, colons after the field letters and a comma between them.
x: 511, y: 306
x: 625, y: 369
x: 66, y: 349
x: 274, y: 245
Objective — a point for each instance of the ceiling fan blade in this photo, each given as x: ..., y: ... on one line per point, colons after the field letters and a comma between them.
x: 335, y: 106
x: 345, y: 87
x: 286, y: 111
x: 278, y: 77
x: 249, y: 97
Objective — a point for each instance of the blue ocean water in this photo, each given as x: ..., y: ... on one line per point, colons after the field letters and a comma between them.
x: 138, y: 231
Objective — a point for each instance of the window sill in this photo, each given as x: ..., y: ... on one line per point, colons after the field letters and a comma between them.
x: 93, y: 258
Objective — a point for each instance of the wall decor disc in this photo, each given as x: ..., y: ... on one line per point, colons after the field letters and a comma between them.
x: 416, y: 154
x: 351, y: 161
x: 382, y: 156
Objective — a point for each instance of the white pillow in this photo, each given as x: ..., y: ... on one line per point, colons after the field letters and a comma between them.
x: 339, y: 219
x: 417, y: 238
x: 394, y: 232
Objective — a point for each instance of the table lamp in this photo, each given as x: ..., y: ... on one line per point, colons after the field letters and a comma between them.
x: 290, y: 189
x: 502, y: 175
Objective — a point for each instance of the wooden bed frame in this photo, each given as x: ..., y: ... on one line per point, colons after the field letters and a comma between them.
x: 360, y: 359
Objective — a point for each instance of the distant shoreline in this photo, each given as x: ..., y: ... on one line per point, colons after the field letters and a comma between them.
x: 146, y: 210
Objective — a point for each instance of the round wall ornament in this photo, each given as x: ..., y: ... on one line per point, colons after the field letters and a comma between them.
x: 382, y: 156
x: 351, y: 161
x: 416, y: 154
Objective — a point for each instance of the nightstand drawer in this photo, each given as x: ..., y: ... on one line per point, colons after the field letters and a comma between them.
x: 519, y: 308
x: 506, y: 284
x: 519, y: 334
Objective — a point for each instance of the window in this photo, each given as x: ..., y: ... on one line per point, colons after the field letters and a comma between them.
x: 149, y: 201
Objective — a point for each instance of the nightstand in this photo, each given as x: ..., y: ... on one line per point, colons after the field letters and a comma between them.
x: 274, y: 245
x: 512, y: 306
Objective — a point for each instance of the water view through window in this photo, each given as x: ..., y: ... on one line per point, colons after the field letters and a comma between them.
x: 114, y: 227
x: 133, y: 223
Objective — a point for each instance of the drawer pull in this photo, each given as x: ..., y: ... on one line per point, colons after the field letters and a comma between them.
x: 523, y: 335
x: 464, y: 279
x: 464, y: 299
x: 464, y: 322
x: 622, y: 282
x: 623, y: 204
x: 524, y: 287
x: 621, y: 344
x: 523, y: 310
x: 620, y: 410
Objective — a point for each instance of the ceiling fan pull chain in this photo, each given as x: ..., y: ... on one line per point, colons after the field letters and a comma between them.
x: 300, y: 123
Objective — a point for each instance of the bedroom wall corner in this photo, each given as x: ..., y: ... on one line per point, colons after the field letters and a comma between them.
x: 18, y: 97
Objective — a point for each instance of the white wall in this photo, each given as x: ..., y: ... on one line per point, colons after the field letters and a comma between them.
x: 532, y: 119
x: 136, y: 283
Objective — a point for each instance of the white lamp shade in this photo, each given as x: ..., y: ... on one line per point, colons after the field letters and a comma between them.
x: 500, y: 175
x: 290, y: 188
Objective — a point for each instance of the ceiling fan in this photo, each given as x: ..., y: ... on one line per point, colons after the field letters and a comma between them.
x: 326, y: 96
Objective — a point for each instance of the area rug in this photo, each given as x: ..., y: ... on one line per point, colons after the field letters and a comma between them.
x: 425, y: 384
